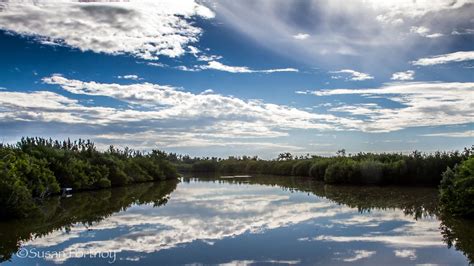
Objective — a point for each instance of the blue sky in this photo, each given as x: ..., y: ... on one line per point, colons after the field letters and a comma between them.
x: 219, y: 78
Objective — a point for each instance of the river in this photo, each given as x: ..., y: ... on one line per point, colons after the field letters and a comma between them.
x: 260, y: 220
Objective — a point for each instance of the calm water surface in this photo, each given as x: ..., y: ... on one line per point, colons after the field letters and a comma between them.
x: 257, y: 220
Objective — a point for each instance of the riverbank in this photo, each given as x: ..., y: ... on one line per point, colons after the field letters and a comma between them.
x: 452, y: 172
x: 415, y: 169
x: 36, y: 168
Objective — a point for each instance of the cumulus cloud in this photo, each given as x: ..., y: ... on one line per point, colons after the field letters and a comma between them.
x: 165, y: 116
x: 421, y: 104
x: 144, y: 29
x: 353, y: 75
x: 445, y: 58
x: 406, y: 75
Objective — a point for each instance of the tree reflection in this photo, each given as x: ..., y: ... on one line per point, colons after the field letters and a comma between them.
x: 460, y: 234
x: 84, y: 208
x: 417, y: 202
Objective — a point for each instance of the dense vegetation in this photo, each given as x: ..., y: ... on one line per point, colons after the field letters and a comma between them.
x: 457, y: 189
x: 35, y: 168
x: 360, y: 169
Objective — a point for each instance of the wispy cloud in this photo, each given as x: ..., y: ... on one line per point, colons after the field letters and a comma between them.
x: 360, y: 254
x: 463, y: 32
x: 406, y: 75
x: 445, y: 58
x: 363, y: 27
x: 353, y: 75
x: 462, y: 134
x: 215, y: 65
x: 130, y: 76
x: 421, y: 104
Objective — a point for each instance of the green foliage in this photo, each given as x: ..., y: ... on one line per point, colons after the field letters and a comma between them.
x: 371, y: 171
x: 318, y: 168
x: 204, y: 166
x: 457, y: 189
x: 342, y: 172
x: 361, y: 168
x: 301, y: 168
x: 35, y: 168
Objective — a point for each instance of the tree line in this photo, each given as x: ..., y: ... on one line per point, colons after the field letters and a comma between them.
x: 453, y: 172
x: 359, y: 169
x: 34, y: 168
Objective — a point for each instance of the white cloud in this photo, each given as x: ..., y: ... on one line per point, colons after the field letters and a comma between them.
x: 168, y: 102
x: 406, y: 75
x: 425, y: 32
x: 463, y: 32
x: 354, y: 75
x: 360, y: 254
x: 152, y: 115
x: 188, y: 69
x: 215, y: 65
x: 445, y: 58
x: 144, y: 29
x: 434, y: 35
x: 156, y: 64
x: 421, y: 104
x: 339, y: 28
x: 462, y: 134
x: 301, y: 36
x: 131, y: 77
x: 406, y: 253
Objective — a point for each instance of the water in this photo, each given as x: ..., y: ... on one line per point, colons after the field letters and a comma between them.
x: 257, y: 220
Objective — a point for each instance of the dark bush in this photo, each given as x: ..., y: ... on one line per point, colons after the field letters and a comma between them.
x: 318, y: 168
x: 457, y: 189
x: 301, y: 168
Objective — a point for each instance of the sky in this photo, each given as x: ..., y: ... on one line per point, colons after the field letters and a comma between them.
x: 221, y: 78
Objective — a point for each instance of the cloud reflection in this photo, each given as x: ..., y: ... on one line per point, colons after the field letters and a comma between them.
x: 209, y: 212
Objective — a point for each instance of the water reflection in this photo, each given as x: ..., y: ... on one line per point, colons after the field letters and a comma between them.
x: 63, y: 218
x: 264, y: 220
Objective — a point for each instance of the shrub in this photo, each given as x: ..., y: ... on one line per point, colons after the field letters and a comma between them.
x: 205, y: 166
x: 457, y: 189
x: 318, y: 169
x: 342, y: 172
x: 371, y: 172
x: 301, y: 168
x: 103, y: 183
x: 36, y: 167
